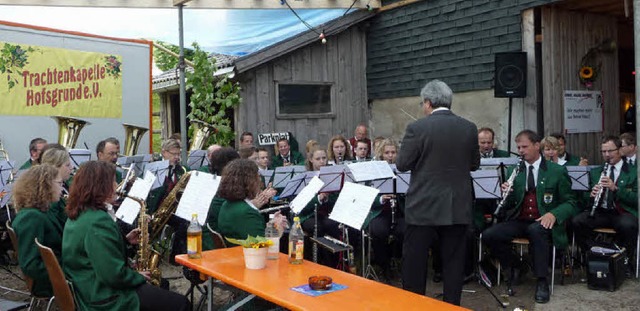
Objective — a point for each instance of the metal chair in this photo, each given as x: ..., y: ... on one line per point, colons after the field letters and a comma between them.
x: 35, y: 300
x: 61, y: 287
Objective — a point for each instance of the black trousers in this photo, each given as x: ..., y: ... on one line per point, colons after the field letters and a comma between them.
x: 498, y: 238
x: 415, y: 255
x: 626, y: 226
x: 380, y: 229
x: 155, y: 298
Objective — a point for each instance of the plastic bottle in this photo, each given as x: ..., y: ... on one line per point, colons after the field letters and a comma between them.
x: 296, y: 242
x: 194, y: 238
x: 271, y: 232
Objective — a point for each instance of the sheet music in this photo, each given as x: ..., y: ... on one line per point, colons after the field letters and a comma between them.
x: 486, y: 184
x: 579, y: 177
x: 353, y: 205
x: 79, y: 156
x: 129, y: 209
x: 197, y: 196
x: 370, y: 170
x: 498, y: 161
x: 197, y: 159
x: 306, y: 194
x: 160, y: 169
x: 6, y: 168
x: 6, y: 193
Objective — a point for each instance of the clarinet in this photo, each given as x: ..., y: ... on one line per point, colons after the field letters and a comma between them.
x: 596, y: 199
x: 505, y: 194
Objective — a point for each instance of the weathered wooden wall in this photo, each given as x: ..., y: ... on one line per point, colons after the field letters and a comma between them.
x: 567, y: 36
x: 341, y: 61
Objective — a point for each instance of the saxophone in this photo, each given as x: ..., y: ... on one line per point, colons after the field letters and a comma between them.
x: 167, y: 207
x: 148, y: 258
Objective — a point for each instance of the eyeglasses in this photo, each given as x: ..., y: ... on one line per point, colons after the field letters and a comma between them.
x: 608, y: 151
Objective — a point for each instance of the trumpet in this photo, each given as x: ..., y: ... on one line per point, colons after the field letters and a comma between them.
x: 505, y: 194
x: 596, y: 199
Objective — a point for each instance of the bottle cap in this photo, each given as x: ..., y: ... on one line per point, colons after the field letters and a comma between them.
x: 296, y: 218
x: 272, y: 216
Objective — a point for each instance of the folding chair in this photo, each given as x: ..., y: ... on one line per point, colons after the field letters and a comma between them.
x: 61, y: 287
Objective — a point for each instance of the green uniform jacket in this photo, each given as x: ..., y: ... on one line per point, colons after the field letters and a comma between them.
x: 627, y: 195
x: 204, y: 169
x: 94, y: 258
x: 57, y: 214
x: 497, y: 153
x: 294, y: 157
x: 157, y: 195
x: 572, y: 160
x: 26, y: 165
x: 553, y: 195
x: 119, y: 177
x: 307, y: 211
x: 237, y: 220
x: 376, y: 208
x: 31, y: 223
x: 212, y: 221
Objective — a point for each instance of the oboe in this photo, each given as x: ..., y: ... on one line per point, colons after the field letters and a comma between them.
x: 505, y: 194
x: 596, y: 199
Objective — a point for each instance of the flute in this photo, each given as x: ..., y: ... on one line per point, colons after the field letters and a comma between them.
x: 275, y: 208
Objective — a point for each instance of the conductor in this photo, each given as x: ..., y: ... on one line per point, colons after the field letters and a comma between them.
x: 440, y: 150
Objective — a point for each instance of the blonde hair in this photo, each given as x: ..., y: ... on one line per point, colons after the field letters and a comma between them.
x: 170, y: 144
x: 550, y: 142
x: 34, y: 188
x: 385, y: 142
x: 55, y: 157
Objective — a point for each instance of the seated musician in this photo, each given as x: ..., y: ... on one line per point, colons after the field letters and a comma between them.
x: 629, y: 147
x: 486, y: 140
x: 263, y: 159
x: 240, y: 186
x: 286, y: 156
x: 250, y: 153
x: 572, y: 160
x: 170, y: 151
x: 35, y: 148
x: 93, y: 250
x: 108, y: 150
x: 33, y: 193
x: 618, y: 204
x: 246, y: 140
x: 338, y: 150
x: 380, y: 217
x: 361, y: 151
x: 539, y: 203
x: 210, y: 150
x: 47, y: 147
x: 360, y: 133
x: 62, y: 162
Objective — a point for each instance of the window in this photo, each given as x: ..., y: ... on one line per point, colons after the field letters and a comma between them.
x: 304, y: 100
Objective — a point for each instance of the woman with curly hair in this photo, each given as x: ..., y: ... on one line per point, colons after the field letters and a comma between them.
x: 33, y: 193
x: 338, y: 150
x: 240, y: 185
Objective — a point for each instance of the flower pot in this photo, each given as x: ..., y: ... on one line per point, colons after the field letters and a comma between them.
x: 255, y: 258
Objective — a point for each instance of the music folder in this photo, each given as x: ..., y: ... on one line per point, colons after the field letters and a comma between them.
x: 306, y: 194
x: 353, y: 205
x: 79, y: 156
x: 579, y: 177
x: 370, y: 170
x: 129, y: 209
x: 197, y: 159
x: 6, y: 168
x: 486, y: 184
x: 197, y: 196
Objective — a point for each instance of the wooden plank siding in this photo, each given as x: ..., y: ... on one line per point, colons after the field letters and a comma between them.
x: 341, y: 62
x: 567, y: 36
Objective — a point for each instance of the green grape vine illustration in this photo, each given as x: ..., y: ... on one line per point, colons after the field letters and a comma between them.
x: 13, y: 58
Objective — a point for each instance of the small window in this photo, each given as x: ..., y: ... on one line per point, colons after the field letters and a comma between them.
x: 304, y: 100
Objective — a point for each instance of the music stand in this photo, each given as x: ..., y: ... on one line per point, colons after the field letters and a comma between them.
x: 283, y: 174
x: 486, y: 184
x: 6, y: 169
x: 333, y: 178
x: 197, y: 159
x: 370, y: 170
x: 5, y: 198
x: 160, y: 169
x: 296, y: 184
x: 266, y: 176
x: 579, y: 177
x: 79, y: 156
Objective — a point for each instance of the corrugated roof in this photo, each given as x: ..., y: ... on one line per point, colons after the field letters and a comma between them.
x: 169, y: 78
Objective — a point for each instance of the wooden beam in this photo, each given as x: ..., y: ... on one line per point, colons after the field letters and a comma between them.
x: 201, y: 4
x: 396, y: 5
x: 163, y: 49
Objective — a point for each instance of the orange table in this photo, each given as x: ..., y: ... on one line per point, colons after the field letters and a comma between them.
x: 274, y: 283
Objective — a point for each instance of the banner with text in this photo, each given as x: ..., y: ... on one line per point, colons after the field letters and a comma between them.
x: 47, y: 81
x: 583, y: 111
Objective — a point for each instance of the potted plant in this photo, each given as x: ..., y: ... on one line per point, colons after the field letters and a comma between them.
x: 255, y: 250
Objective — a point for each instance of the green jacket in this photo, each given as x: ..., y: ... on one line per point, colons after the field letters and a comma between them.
x: 497, y: 153
x: 94, y: 257
x: 553, y: 195
x: 212, y: 221
x: 31, y: 223
x: 57, y: 214
x: 627, y: 195
x: 237, y: 220
x: 323, y: 208
x: 377, y: 207
x: 572, y: 160
x: 26, y: 165
x: 294, y: 157
x: 156, y: 196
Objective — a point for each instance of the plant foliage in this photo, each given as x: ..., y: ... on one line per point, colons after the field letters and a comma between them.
x: 252, y: 242
x: 165, y: 61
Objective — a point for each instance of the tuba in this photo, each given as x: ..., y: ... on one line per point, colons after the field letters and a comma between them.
x: 167, y: 207
x: 201, y: 133
x: 133, y: 136
x: 148, y: 258
x: 69, y: 130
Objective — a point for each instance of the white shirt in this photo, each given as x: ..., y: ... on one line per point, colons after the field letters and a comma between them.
x: 251, y: 204
x: 616, y: 171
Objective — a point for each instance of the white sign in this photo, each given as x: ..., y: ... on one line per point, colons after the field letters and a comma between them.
x: 271, y: 138
x: 583, y: 111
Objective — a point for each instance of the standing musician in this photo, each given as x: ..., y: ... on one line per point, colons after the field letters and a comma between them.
x: 33, y: 193
x: 286, y: 156
x: 35, y: 148
x: 338, y: 150
x: 618, y: 206
x: 108, y: 150
x: 62, y: 162
x: 486, y: 140
x: 440, y: 150
x: 93, y: 251
x: 539, y: 202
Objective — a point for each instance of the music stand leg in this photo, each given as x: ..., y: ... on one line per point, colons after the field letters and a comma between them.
x: 315, y: 233
x: 369, y: 271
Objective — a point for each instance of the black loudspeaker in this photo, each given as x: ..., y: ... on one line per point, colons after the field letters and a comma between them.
x: 511, y: 75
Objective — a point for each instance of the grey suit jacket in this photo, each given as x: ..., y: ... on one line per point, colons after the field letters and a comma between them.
x: 440, y: 150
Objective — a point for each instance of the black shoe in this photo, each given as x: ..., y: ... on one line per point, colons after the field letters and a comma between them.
x: 542, y: 291
x: 629, y: 272
x: 437, y: 277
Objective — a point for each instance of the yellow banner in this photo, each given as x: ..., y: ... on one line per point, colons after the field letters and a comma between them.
x: 46, y: 81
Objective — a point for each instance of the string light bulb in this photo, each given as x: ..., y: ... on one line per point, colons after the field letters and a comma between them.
x: 322, y: 38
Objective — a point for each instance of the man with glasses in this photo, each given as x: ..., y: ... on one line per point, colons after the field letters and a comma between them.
x: 618, y: 206
x: 108, y: 151
x: 629, y: 148
x: 170, y: 151
x: 35, y: 148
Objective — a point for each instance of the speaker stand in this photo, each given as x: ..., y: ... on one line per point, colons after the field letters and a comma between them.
x: 509, y: 124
